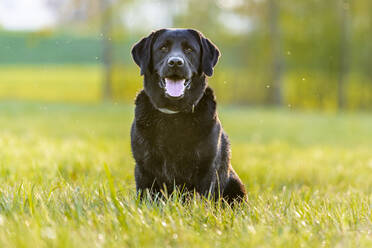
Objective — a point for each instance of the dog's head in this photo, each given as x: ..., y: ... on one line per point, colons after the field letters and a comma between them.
x: 174, y: 63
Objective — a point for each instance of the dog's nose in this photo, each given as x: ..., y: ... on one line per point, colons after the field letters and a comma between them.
x: 176, y: 61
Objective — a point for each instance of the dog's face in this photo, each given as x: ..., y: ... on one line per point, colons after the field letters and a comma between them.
x: 174, y: 63
x: 176, y: 59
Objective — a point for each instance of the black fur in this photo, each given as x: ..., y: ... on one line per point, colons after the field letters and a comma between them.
x: 188, y: 149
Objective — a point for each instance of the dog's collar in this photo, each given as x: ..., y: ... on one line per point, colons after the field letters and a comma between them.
x: 167, y: 111
x: 170, y: 112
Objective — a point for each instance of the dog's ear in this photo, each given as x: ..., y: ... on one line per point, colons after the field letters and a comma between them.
x: 210, y: 55
x: 141, y: 53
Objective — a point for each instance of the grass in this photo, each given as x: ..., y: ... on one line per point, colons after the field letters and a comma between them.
x: 82, y: 83
x: 51, y: 83
x: 66, y: 176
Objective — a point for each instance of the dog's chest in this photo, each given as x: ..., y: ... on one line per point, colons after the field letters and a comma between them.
x: 175, y: 143
x: 176, y: 135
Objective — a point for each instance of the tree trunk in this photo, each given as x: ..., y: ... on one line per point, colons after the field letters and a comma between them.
x: 106, y: 28
x: 275, y: 89
x: 344, y: 52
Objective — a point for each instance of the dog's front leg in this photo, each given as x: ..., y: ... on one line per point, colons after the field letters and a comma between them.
x: 146, y: 184
x: 208, y: 184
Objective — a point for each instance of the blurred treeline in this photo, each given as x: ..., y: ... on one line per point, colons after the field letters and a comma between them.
x: 304, y: 54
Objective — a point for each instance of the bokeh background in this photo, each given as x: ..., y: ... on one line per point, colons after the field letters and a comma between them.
x: 294, y: 90
x: 309, y: 54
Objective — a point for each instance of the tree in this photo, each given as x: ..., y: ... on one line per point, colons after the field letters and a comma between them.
x: 344, y: 51
x: 106, y: 29
x: 275, y: 94
x: 100, y: 13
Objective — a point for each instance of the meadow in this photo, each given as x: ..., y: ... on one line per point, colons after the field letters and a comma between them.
x: 82, y: 83
x: 66, y: 172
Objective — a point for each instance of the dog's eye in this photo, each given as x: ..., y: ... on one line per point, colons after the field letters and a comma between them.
x: 164, y: 48
x: 188, y: 50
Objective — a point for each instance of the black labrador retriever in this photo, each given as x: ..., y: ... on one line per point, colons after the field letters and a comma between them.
x: 177, y: 139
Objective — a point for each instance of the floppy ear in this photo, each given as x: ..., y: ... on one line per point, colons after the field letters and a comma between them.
x: 210, y: 55
x: 141, y: 53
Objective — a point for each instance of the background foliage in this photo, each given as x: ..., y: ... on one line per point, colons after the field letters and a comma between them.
x: 66, y: 106
x: 307, y: 54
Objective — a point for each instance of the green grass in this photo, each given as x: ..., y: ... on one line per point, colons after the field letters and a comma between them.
x: 82, y: 83
x: 66, y: 83
x: 51, y: 83
x: 308, y: 176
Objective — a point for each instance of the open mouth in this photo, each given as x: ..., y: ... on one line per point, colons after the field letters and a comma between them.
x: 175, y: 87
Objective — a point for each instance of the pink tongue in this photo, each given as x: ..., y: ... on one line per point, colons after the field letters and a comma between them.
x: 174, y: 87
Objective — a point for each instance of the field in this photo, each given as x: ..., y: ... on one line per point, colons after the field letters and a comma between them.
x: 66, y: 176
x: 81, y: 83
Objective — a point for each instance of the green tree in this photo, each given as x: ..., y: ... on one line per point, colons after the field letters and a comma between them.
x: 344, y: 7
x: 276, y: 63
x: 107, y: 47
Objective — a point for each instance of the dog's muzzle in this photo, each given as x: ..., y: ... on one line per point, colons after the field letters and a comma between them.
x: 175, y: 87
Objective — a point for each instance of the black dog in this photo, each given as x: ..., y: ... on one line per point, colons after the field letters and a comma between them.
x: 177, y: 138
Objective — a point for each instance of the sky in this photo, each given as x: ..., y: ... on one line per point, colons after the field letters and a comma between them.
x: 35, y: 14
x: 140, y: 15
x: 25, y: 15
